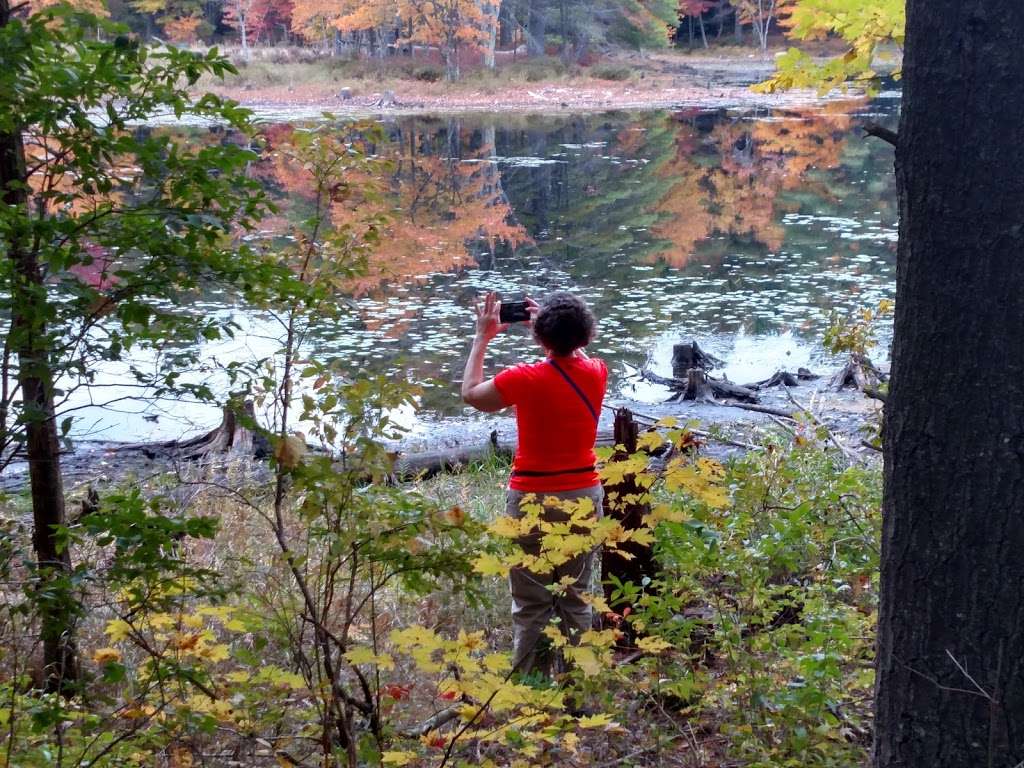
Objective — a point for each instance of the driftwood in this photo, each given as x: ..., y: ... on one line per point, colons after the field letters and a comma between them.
x: 859, y: 373
x: 761, y: 409
x: 230, y: 439
x: 784, y: 378
x: 697, y: 385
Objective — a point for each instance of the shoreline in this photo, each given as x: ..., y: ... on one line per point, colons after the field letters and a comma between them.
x: 656, y: 81
x: 846, y: 412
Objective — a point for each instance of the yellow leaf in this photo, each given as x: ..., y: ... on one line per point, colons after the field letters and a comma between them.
x: 215, y: 652
x: 106, y: 655
x: 571, y: 742
x: 555, y: 635
x: 363, y: 655
x: 650, y: 441
x: 506, y: 527
x: 652, y: 644
x: 398, y: 758
x: 497, y: 663
x: 597, y: 602
x: 490, y: 565
x: 596, y: 721
x: 586, y: 659
x: 118, y: 630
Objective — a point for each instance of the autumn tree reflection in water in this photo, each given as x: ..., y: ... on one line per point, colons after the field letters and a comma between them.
x: 698, y: 222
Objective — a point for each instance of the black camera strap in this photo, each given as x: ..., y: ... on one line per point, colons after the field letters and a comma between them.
x: 576, y: 388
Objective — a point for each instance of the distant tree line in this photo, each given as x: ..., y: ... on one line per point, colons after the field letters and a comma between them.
x: 570, y: 29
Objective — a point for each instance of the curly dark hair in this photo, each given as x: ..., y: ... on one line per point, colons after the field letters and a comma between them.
x: 564, y: 323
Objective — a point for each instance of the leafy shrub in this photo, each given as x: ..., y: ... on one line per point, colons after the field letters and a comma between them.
x: 428, y: 74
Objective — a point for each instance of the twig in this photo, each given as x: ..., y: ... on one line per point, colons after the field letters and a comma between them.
x: 443, y: 717
x: 760, y: 409
x: 849, y: 454
x: 966, y: 674
x: 883, y: 133
x: 936, y: 683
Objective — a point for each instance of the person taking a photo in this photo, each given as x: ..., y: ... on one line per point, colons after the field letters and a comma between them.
x: 558, y: 403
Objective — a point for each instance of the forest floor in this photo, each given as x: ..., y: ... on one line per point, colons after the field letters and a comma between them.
x: 274, y: 80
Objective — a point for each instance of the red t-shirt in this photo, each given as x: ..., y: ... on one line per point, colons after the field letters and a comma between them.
x: 556, y: 429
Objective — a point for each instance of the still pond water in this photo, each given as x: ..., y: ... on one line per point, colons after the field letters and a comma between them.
x: 743, y: 230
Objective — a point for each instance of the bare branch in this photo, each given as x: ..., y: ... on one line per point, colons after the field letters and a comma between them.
x: 881, y: 132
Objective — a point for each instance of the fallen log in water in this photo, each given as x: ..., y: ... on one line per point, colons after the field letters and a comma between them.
x: 784, y: 378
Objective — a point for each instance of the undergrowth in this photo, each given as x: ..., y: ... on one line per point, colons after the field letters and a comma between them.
x: 758, y: 632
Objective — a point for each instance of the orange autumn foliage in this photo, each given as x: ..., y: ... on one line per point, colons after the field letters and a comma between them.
x: 738, y: 194
x: 440, y: 211
x: 183, y: 29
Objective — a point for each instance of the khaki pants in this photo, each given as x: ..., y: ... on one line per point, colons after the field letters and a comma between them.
x: 533, y: 604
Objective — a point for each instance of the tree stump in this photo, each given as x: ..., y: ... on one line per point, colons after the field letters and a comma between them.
x: 630, y: 514
x: 687, y: 356
x: 697, y: 386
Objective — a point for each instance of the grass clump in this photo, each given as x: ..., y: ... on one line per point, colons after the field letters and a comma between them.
x: 615, y: 72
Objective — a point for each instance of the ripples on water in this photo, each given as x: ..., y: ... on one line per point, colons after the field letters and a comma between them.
x: 741, y: 230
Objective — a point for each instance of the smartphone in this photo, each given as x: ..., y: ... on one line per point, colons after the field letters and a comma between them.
x: 514, y: 312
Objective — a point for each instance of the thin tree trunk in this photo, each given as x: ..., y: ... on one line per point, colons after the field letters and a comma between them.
x: 738, y: 28
x: 563, y: 29
x: 950, y: 676
x: 703, y: 35
x: 537, y: 29
x: 491, y: 11
x: 28, y: 337
x: 245, y: 39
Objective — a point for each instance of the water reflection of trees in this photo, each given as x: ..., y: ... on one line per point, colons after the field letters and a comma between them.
x: 663, y: 220
x: 654, y: 189
x: 436, y: 193
x: 726, y: 175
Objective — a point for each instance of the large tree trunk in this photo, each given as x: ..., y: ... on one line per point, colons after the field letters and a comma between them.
x: 28, y: 338
x: 950, y: 687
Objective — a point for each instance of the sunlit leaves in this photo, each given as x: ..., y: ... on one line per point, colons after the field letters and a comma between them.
x: 365, y: 655
x: 865, y: 27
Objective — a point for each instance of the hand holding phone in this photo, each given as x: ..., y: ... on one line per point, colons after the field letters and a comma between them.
x: 514, y: 312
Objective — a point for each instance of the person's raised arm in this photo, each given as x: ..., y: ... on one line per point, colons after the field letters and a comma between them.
x: 480, y: 394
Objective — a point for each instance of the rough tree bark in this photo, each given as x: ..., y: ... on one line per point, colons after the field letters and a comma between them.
x: 950, y: 686
x: 28, y: 337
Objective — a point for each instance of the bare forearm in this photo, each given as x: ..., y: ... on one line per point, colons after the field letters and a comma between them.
x: 473, y: 375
